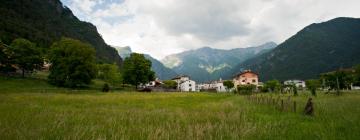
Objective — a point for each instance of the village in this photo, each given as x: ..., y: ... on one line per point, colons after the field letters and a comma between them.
x: 246, y: 77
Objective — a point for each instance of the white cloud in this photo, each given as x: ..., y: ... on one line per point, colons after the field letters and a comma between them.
x: 163, y: 27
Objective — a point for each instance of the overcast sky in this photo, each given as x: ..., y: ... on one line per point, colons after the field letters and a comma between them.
x: 163, y: 27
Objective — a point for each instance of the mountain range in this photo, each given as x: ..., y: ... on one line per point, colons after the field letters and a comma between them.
x: 46, y: 21
x: 207, y: 64
x: 160, y: 70
x: 316, y: 49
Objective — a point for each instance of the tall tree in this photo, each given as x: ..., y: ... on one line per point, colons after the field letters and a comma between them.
x: 313, y: 85
x: 26, y: 56
x: 228, y: 84
x: 137, y: 70
x: 110, y: 73
x: 73, y: 63
x: 5, y: 65
x: 273, y: 85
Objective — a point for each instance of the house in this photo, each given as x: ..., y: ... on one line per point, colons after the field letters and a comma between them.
x: 297, y: 83
x: 246, y: 77
x: 151, y: 84
x: 217, y: 86
x: 184, y: 83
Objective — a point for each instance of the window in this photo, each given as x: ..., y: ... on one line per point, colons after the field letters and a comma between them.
x: 253, y: 80
x: 243, y: 80
x: 189, y: 85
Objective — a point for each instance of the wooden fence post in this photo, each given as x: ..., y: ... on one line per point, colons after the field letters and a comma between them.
x: 294, y: 106
x: 282, y: 105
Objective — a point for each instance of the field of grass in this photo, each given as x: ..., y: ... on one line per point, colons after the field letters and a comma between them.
x: 32, y: 109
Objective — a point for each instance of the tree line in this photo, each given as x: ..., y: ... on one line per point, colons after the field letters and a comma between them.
x: 72, y: 64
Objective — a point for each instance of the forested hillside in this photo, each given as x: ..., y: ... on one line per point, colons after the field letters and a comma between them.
x: 316, y: 49
x: 46, y: 21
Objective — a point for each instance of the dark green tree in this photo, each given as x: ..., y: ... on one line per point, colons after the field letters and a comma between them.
x: 5, y: 59
x: 73, y: 63
x: 273, y: 85
x: 313, y: 85
x: 26, y: 56
x: 228, y: 84
x: 357, y: 75
x: 110, y: 73
x: 338, y: 80
x: 294, y: 88
x: 170, y: 84
x: 137, y: 70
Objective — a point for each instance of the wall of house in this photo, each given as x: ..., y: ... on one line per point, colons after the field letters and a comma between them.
x: 188, y: 85
x: 246, y: 79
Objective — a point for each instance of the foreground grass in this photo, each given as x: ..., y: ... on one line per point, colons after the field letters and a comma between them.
x: 65, y: 114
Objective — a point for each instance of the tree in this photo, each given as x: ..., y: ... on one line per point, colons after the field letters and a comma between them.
x: 294, y: 88
x: 170, y: 84
x: 5, y: 59
x: 110, y: 73
x: 73, y: 63
x: 137, y: 70
x: 228, y: 84
x: 26, y: 56
x: 357, y: 75
x: 338, y: 80
x: 273, y: 85
x: 313, y: 85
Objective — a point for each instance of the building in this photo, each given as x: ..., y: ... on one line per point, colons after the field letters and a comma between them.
x: 246, y: 77
x: 213, y: 86
x: 184, y: 83
x: 297, y: 83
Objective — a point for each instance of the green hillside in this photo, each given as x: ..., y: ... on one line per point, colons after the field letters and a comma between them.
x: 46, y: 21
x: 316, y: 49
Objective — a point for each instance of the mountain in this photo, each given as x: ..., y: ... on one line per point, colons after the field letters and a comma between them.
x: 161, y: 71
x: 206, y: 64
x: 316, y: 49
x: 46, y: 21
x: 124, y: 51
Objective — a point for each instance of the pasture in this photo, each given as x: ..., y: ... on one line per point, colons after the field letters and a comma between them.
x: 32, y: 109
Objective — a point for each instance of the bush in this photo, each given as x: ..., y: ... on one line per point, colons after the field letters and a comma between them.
x: 246, y: 89
x: 106, y: 88
x: 170, y: 84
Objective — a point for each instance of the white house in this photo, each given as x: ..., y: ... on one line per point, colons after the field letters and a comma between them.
x: 184, y: 83
x: 214, y: 85
x: 297, y: 83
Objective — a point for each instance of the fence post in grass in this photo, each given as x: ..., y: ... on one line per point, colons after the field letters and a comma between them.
x: 294, y: 106
x: 282, y: 105
x: 309, y: 108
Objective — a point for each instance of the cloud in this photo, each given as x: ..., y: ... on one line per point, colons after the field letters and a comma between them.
x: 163, y: 27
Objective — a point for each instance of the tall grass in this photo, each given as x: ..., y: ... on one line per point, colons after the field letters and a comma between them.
x: 66, y: 114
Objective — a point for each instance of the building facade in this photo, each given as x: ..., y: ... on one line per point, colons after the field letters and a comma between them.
x: 297, y: 83
x: 246, y: 77
x: 185, y: 84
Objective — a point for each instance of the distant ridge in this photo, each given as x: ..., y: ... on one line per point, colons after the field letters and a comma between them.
x: 206, y: 64
x: 316, y: 49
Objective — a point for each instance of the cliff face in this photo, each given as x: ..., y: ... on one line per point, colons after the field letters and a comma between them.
x: 46, y: 21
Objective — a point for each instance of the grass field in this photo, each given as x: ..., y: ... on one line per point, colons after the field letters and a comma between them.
x: 32, y: 109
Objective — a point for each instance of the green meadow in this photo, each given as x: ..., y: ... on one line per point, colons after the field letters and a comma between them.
x: 32, y: 109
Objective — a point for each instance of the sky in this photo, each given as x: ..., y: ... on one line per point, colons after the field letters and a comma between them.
x: 164, y: 27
